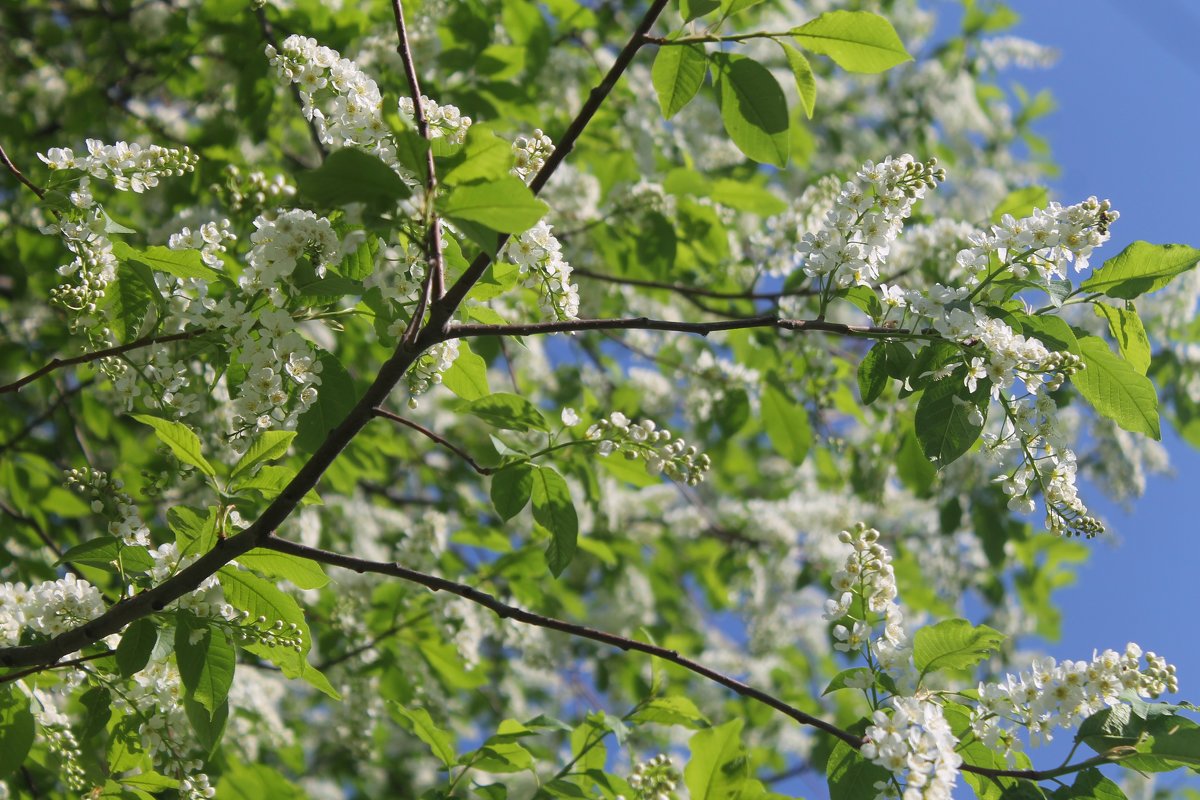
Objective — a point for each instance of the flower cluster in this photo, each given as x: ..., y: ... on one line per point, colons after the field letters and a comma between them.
x: 538, y: 255
x: 530, y: 153
x: 153, y: 694
x: 126, y: 166
x: 442, y: 121
x: 865, y: 588
x: 916, y: 745
x: 343, y: 103
x: 253, y: 190
x: 280, y: 243
x: 426, y: 371
x: 676, y: 459
x: 106, y: 497
x: 94, y: 265
x: 48, y: 608
x: 1045, y: 241
x: 206, y: 600
x: 853, y: 241
x: 655, y: 779
x: 1052, y: 695
x: 209, y: 239
x: 55, y: 730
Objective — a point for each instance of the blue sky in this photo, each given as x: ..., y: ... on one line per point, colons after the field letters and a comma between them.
x: 1126, y: 128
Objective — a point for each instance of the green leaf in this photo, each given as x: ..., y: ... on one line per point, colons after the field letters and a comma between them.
x: 691, y: 9
x: 352, y: 176
x: 180, y: 263
x: 505, y: 205
x: 417, y: 720
x: 856, y: 673
x: 858, y: 41
x: 206, y: 661
x: 786, y: 423
x: 511, y: 490
x: 16, y: 729
x: 106, y: 552
x: 913, y: 468
x: 208, y: 726
x: 746, y: 196
x: 873, y: 374
x: 1140, y: 268
x: 950, y: 418
x: 1126, y: 327
x: 554, y: 510
x: 1021, y: 202
x: 677, y: 75
x: 953, y: 644
x: 467, y: 376
x: 486, y: 157
x: 753, y: 108
x: 255, y: 782
x: 302, y: 572
x: 731, y: 7
x: 806, y: 83
x: 1115, y: 389
x: 674, y: 710
x: 182, y: 440
x: 508, y: 412
x: 335, y: 397
x: 850, y: 776
x: 137, y: 643
x: 262, y: 598
x: 267, y: 446
x: 194, y: 533
x: 718, y: 766
x: 1090, y: 784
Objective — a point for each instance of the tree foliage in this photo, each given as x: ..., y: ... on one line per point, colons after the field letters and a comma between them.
x: 496, y: 399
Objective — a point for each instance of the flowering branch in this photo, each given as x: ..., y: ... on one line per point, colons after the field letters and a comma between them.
x: 268, y: 33
x: 96, y: 355
x: 506, y: 611
x: 458, y: 451
x: 434, y: 286
x: 444, y: 308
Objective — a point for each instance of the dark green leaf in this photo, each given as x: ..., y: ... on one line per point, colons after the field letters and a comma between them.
x: 16, y: 729
x: 554, y: 510
x: 753, y: 108
x: 206, y: 660
x: 508, y: 412
x: 352, y: 176
x: 950, y: 418
x: 511, y: 490
x: 335, y: 397
x: 137, y: 643
x: 873, y: 374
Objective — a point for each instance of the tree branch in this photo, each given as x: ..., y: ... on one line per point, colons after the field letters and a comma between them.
x: 96, y: 355
x: 74, y: 662
x: 444, y: 308
x: 505, y: 611
x: 268, y: 32
x: 33, y: 187
x: 434, y: 285
x: 471, y: 330
x: 696, y: 291
x: 446, y: 443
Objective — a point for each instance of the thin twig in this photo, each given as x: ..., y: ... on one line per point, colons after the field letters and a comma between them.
x: 45, y: 415
x: 96, y: 355
x: 470, y: 330
x: 74, y: 662
x: 33, y: 187
x: 458, y: 451
x: 506, y: 611
x: 268, y: 32
x: 697, y: 291
x: 17, y: 516
x: 434, y: 285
